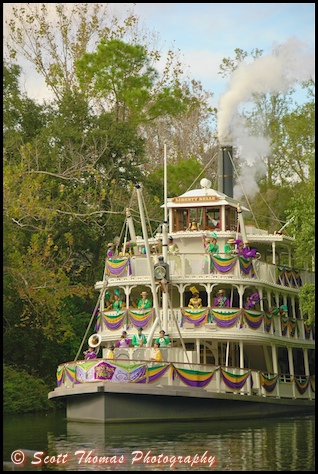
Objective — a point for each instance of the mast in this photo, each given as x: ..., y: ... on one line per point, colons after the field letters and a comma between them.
x: 241, y: 222
x: 165, y: 238
x: 150, y: 266
x: 131, y: 229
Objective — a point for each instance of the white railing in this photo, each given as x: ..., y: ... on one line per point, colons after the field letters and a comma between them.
x: 210, y: 378
x: 291, y: 329
x: 187, y: 266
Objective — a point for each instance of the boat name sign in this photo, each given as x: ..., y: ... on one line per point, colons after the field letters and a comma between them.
x: 196, y: 199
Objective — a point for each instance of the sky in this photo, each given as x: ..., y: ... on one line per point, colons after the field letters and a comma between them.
x: 205, y: 33
x: 208, y: 32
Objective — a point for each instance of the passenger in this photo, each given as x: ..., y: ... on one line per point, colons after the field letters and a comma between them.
x: 110, y: 250
x: 137, y: 338
x: 283, y: 311
x: 273, y: 310
x: 221, y: 300
x: 172, y: 247
x: 124, y: 341
x: 116, y: 244
x: 213, y: 247
x: 117, y: 303
x: 158, y: 247
x: 229, y: 247
x: 110, y: 353
x: 144, y: 302
x: 206, y: 241
x: 251, y: 301
x: 244, y: 249
x: 157, y: 356
x: 248, y: 303
x: 195, y: 302
x: 163, y: 340
x: 239, y: 247
x: 108, y: 303
x: 248, y: 252
x: 90, y: 353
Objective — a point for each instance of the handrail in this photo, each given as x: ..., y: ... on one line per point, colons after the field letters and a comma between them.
x: 185, y: 265
x: 244, y: 381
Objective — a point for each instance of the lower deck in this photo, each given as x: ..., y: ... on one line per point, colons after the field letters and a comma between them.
x: 117, y: 390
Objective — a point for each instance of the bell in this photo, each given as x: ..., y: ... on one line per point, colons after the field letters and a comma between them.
x: 194, y: 226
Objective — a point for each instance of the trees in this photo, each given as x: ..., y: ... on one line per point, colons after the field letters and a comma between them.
x: 70, y: 169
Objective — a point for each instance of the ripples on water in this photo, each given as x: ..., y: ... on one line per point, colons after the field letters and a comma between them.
x: 279, y: 444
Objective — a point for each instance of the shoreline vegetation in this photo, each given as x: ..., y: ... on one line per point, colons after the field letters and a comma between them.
x: 18, y: 381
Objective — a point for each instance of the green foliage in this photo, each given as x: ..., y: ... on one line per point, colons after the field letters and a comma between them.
x: 120, y: 74
x: 301, y: 208
x: 24, y: 393
x: 307, y: 301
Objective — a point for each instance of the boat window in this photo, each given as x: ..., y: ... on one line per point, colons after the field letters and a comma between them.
x: 298, y: 359
x: 212, y: 218
x: 196, y: 215
x: 311, y: 359
x: 180, y: 219
x: 230, y: 218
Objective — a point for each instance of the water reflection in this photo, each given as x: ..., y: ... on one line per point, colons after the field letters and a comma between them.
x: 254, y: 445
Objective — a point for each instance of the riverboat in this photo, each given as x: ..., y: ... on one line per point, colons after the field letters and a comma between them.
x: 239, y: 345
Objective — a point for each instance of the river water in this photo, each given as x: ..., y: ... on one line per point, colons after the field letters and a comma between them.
x: 269, y: 444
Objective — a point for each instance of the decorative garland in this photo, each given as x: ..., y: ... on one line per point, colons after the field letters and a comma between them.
x: 92, y: 371
x: 196, y: 317
x: 117, y: 267
x: 269, y: 383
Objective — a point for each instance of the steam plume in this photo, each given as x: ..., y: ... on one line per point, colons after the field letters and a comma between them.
x: 289, y: 64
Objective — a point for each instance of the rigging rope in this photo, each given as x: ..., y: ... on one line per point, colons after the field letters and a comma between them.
x: 208, y: 164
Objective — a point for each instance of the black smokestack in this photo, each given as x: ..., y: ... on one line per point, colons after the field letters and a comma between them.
x: 225, y: 170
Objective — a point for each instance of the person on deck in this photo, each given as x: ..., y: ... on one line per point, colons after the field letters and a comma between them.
x: 144, y: 302
x: 248, y: 252
x: 108, y: 303
x: 239, y: 247
x: 117, y: 303
x: 195, y: 302
x: 158, y: 247
x: 124, y: 341
x: 244, y: 249
x: 139, y: 337
x: 229, y: 247
x: 205, y: 241
x: 157, y: 352
x: 283, y: 311
x: 221, y: 300
x: 90, y: 353
x: 172, y: 247
x: 110, y: 250
x: 213, y: 247
x: 251, y: 301
x: 163, y: 340
x: 110, y: 354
